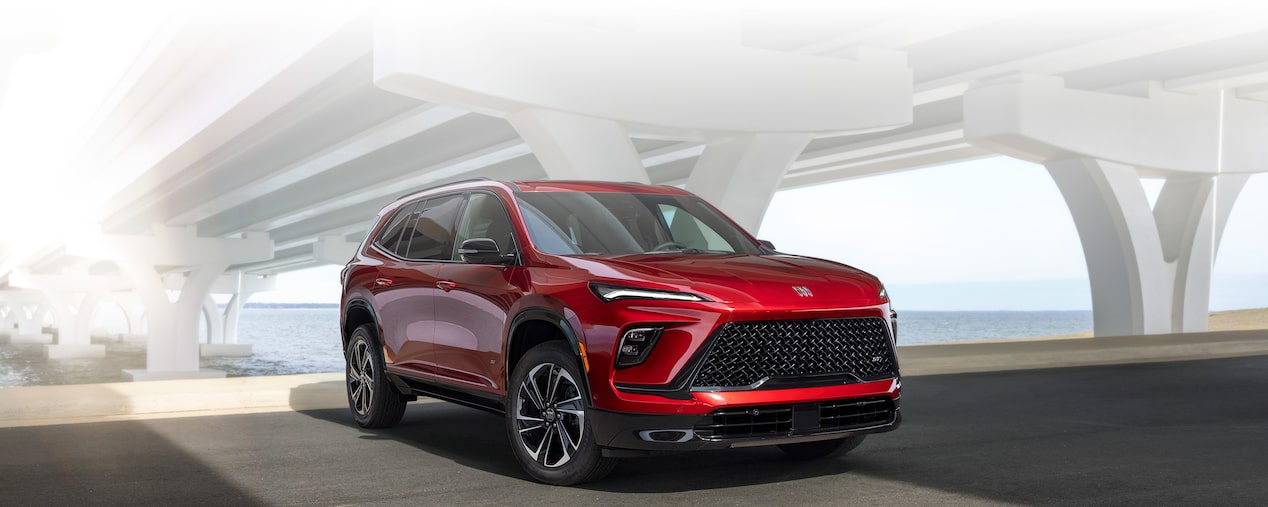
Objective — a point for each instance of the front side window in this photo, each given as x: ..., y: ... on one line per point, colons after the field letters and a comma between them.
x: 602, y: 223
x: 485, y: 217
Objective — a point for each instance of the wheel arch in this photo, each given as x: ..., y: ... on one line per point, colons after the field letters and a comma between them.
x: 358, y: 312
x: 534, y: 326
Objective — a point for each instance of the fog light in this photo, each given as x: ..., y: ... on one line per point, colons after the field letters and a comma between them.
x: 635, y: 345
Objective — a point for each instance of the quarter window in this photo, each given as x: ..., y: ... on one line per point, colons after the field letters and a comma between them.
x: 391, y: 235
x: 429, y: 234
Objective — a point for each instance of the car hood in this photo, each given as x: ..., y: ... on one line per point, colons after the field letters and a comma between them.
x: 771, y: 279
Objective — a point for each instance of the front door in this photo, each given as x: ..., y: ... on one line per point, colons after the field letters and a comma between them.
x: 471, y: 316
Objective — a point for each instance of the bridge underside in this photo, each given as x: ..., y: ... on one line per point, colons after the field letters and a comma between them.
x: 239, y: 145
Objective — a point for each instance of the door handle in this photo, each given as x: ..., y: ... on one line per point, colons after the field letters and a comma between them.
x: 446, y: 285
x: 382, y: 282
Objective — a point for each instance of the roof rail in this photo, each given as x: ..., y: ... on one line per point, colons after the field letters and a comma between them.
x: 442, y: 185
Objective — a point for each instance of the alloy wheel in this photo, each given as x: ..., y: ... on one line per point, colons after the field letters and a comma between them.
x: 360, y: 377
x: 550, y: 415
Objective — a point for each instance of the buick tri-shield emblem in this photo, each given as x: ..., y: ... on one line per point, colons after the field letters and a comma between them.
x: 802, y: 291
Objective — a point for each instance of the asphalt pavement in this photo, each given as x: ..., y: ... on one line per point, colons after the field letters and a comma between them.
x: 1175, y: 433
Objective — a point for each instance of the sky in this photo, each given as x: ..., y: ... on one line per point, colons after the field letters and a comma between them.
x: 986, y: 234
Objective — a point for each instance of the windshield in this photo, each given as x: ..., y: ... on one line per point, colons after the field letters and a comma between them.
x: 603, y: 223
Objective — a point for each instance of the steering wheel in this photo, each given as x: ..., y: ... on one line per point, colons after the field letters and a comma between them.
x: 667, y: 244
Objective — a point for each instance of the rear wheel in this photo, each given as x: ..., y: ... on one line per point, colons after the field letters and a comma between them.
x: 546, y: 419
x: 373, y: 400
x: 822, y: 448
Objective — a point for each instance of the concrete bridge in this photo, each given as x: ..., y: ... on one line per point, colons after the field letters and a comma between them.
x: 238, y: 145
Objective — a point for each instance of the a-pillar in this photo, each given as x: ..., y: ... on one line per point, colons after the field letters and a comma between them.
x: 172, y: 349
x: 1149, y: 268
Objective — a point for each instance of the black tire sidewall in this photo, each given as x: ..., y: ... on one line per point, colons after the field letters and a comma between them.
x: 588, y: 464
x: 383, y: 411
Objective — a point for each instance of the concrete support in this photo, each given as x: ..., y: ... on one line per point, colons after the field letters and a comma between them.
x: 575, y: 147
x: 739, y: 173
x: 72, y: 297
x: 1149, y: 268
x: 23, y: 316
x: 240, y: 286
x: 29, y: 320
x: 172, y: 348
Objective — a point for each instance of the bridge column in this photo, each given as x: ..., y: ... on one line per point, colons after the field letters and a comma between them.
x: 1149, y: 268
x: 739, y: 173
x: 72, y: 297
x: 574, y: 147
x: 172, y: 349
x: 25, y: 320
x: 241, y: 287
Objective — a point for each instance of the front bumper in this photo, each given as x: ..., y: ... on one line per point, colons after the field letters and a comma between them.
x: 743, y: 426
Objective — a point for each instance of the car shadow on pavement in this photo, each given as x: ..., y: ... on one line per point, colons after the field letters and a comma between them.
x: 477, y: 440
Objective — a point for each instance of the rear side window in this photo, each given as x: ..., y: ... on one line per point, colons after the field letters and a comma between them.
x: 429, y: 234
x: 391, y: 235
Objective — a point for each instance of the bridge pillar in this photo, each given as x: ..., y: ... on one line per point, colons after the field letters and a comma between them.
x: 575, y: 147
x: 1149, y: 268
x: 25, y: 320
x: 241, y: 287
x: 172, y: 349
x: 72, y: 296
x: 761, y: 159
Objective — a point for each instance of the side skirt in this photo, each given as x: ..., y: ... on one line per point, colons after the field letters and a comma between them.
x: 408, y: 384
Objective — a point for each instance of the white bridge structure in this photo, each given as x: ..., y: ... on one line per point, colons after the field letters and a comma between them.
x: 244, y: 144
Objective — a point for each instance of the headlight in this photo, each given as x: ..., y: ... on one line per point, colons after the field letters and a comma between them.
x: 883, y: 294
x: 614, y: 292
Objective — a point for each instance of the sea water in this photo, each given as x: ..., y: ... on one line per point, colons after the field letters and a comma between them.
x: 306, y: 340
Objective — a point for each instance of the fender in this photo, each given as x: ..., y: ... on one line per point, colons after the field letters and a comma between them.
x: 551, y: 317
x: 362, y: 303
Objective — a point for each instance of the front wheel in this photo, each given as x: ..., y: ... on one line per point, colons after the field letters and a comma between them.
x: 546, y: 419
x: 822, y: 449
x: 374, y: 403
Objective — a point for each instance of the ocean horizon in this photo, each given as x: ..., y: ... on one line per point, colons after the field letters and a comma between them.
x: 293, y: 338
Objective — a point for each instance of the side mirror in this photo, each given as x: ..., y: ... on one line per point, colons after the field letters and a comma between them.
x: 767, y: 245
x: 483, y: 251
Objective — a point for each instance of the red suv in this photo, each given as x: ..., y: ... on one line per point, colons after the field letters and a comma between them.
x: 605, y: 320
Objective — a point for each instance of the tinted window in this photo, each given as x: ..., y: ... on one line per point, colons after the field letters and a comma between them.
x: 429, y: 234
x: 484, y: 217
x: 614, y: 223
x: 391, y: 234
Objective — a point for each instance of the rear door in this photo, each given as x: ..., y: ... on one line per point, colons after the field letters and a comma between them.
x: 424, y: 245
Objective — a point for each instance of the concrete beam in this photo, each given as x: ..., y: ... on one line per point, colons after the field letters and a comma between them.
x: 1036, y: 118
x: 665, y: 76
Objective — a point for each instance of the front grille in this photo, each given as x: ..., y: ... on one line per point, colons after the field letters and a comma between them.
x: 855, y: 413
x: 742, y: 354
x: 800, y: 419
x: 746, y: 422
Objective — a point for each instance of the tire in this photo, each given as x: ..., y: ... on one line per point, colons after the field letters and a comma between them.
x: 822, y: 448
x: 371, y: 397
x: 549, y: 433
